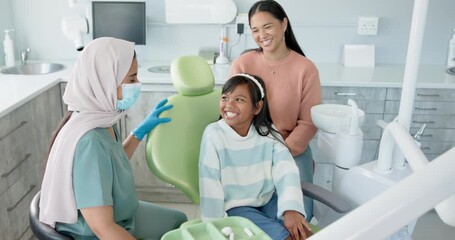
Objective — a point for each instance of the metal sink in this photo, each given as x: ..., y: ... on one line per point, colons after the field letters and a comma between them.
x: 160, y: 69
x: 34, y: 69
x: 451, y: 70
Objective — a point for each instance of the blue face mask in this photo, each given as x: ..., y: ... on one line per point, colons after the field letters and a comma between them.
x: 130, y: 93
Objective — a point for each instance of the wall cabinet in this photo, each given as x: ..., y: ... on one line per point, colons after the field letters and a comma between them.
x: 24, y: 137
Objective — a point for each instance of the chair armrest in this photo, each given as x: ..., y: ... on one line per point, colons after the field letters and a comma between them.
x: 332, y: 200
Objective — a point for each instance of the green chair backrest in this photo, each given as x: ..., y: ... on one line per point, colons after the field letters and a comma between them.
x: 172, y: 149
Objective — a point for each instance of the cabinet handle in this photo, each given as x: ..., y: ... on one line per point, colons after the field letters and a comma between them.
x: 428, y: 95
x: 18, y: 164
x: 20, y: 200
x: 426, y: 135
x: 425, y: 148
x: 345, y: 94
x: 426, y: 109
x: 423, y: 122
x: 21, y: 124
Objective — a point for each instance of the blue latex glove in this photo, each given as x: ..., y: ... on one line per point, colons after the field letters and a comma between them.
x: 152, y: 120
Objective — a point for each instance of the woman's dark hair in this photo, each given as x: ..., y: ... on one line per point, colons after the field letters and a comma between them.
x: 262, y: 121
x: 278, y: 12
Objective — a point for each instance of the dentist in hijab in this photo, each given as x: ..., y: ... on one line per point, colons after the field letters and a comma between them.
x: 88, y: 187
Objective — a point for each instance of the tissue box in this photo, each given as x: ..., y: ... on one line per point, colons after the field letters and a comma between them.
x: 358, y: 55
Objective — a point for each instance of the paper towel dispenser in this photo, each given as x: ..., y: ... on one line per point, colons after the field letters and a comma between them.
x: 124, y: 20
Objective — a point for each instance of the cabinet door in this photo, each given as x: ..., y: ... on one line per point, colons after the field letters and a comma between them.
x: 17, y: 146
x: 148, y: 186
x: 47, y: 114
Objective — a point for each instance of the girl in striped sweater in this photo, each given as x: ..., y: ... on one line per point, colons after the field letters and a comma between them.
x: 245, y: 168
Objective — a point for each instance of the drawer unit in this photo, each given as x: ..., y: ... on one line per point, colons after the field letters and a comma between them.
x: 433, y: 107
x: 14, y: 206
x: 17, y: 146
x: 24, y: 138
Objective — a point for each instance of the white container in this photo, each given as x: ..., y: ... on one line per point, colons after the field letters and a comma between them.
x: 451, y: 53
x: 8, y: 48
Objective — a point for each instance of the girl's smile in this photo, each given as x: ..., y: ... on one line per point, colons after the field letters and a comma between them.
x: 237, y: 109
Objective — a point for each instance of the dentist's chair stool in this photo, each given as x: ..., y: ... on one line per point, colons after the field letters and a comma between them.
x: 39, y: 229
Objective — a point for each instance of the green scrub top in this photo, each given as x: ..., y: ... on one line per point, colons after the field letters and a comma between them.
x: 102, y: 176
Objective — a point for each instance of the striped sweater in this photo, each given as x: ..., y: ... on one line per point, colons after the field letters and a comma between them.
x: 245, y: 171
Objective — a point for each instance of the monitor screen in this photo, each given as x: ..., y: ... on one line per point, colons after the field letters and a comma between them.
x: 124, y: 20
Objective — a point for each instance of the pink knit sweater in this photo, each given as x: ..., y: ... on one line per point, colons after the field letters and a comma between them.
x: 293, y: 87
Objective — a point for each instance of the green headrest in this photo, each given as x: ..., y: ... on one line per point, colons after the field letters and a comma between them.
x: 192, y: 76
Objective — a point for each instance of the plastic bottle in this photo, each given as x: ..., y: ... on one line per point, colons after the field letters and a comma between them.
x: 8, y: 48
x: 451, y: 54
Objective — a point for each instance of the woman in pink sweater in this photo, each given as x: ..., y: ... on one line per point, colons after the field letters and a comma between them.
x: 291, y: 79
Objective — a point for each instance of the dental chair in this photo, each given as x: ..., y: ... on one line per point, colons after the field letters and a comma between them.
x: 172, y: 149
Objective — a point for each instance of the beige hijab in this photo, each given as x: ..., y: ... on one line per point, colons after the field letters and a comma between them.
x: 92, y: 93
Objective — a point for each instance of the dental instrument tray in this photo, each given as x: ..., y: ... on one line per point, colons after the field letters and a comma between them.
x: 240, y: 227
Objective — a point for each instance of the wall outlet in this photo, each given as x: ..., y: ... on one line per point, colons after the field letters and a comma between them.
x: 367, y: 26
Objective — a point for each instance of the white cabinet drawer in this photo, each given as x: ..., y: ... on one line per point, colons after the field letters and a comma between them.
x: 432, y: 121
x: 423, y: 107
x: 423, y: 94
x: 356, y: 93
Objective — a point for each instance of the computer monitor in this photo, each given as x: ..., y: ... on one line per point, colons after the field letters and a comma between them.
x: 124, y: 20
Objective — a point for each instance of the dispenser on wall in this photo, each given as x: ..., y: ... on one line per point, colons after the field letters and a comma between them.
x: 74, y: 28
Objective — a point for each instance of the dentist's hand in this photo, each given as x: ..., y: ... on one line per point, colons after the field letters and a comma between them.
x: 152, y: 120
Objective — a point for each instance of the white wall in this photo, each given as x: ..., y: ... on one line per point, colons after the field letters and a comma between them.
x: 321, y: 27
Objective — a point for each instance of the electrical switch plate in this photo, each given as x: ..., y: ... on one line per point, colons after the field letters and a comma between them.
x: 243, y: 19
x: 367, y: 26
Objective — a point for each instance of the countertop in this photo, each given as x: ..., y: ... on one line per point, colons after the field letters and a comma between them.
x: 17, y: 89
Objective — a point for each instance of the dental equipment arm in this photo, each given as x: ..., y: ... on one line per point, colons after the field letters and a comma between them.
x: 400, y: 204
